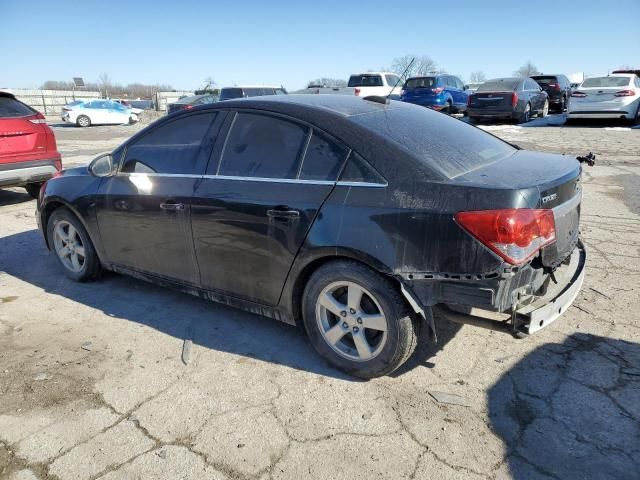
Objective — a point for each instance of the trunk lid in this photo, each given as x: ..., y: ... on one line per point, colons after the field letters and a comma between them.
x: 492, y: 101
x: 557, y: 179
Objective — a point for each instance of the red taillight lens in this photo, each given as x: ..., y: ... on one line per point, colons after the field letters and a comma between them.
x: 625, y: 93
x: 437, y: 90
x: 578, y: 94
x: 37, y: 118
x: 514, y: 99
x: 516, y: 234
x: 187, y: 107
x: 357, y: 91
x: 555, y: 86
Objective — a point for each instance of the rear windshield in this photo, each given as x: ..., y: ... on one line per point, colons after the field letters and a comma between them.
x: 9, y: 107
x: 545, y: 80
x: 421, y: 82
x: 606, y: 82
x: 229, y: 93
x: 443, y: 143
x: 500, y: 85
x: 365, y: 81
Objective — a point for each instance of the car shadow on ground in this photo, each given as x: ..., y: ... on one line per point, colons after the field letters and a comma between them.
x: 10, y: 197
x: 208, y: 324
x: 571, y: 410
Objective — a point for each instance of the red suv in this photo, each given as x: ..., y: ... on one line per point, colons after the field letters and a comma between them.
x: 28, y: 153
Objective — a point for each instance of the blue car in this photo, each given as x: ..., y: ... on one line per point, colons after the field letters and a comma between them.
x: 445, y: 93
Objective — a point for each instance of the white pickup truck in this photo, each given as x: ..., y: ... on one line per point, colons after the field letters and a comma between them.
x: 376, y: 83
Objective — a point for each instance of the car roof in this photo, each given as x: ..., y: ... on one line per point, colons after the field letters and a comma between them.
x: 252, y: 86
x: 7, y: 94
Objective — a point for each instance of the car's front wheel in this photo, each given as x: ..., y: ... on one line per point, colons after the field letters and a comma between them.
x: 72, y: 246
x: 358, y: 320
x: 33, y: 189
x: 83, y: 121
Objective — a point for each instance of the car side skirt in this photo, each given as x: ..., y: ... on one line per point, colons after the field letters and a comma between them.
x: 218, y: 297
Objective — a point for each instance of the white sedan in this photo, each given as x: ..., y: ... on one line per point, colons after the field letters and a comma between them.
x: 97, y: 112
x: 614, y: 96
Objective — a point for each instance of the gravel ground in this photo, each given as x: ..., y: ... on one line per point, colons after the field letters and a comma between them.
x: 92, y: 384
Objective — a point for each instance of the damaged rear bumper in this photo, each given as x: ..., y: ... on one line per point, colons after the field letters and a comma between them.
x: 539, y: 311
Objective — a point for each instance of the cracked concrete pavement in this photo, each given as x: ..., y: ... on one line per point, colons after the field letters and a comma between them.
x: 255, y: 401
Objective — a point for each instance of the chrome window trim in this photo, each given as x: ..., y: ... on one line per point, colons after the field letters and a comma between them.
x: 254, y: 179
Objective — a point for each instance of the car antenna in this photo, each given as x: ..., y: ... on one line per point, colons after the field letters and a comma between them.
x: 385, y: 100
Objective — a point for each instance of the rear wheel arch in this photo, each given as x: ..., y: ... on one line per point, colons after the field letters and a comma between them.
x: 305, y: 273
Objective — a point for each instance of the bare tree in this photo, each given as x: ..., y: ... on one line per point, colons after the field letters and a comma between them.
x: 104, y: 81
x: 208, y: 83
x: 423, y: 65
x: 328, y: 82
x: 477, y: 77
x: 527, y: 70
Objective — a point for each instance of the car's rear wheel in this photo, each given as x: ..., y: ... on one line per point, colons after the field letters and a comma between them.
x: 83, y: 121
x: 563, y: 105
x: 33, y: 189
x: 357, y: 320
x: 545, y: 109
x: 526, y: 115
x: 448, y: 109
x: 72, y: 246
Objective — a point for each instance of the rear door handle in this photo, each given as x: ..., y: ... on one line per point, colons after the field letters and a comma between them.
x: 172, y: 206
x: 282, y: 212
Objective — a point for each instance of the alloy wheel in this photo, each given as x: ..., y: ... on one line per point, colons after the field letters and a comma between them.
x: 83, y: 121
x: 69, y: 246
x: 351, y: 321
x: 545, y: 109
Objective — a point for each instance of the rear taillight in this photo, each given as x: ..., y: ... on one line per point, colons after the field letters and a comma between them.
x: 469, y: 100
x: 578, y: 94
x: 356, y: 91
x: 516, y: 234
x: 625, y: 93
x: 65, y: 109
x: 555, y: 86
x: 437, y: 90
x: 37, y: 118
x: 514, y: 99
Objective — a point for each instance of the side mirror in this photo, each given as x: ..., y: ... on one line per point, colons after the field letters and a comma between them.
x: 465, y: 87
x: 102, y: 166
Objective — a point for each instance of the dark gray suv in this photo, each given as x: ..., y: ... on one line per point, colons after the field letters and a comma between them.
x: 558, y: 87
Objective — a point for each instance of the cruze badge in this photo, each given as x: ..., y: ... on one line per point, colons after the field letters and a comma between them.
x: 549, y: 198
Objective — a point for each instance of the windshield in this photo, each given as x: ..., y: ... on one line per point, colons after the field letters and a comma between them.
x: 365, y: 81
x: 606, y: 82
x: 443, y: 143
x: 421, y: 82
x: 229, y: 93
x: 543, y: 81
x: 500, y: 85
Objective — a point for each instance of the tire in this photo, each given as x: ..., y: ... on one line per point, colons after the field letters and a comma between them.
x: 563, y: 105
x: 33, y: 189
x: 448, y: 110
x: 474, y: 120
x: 526, y: 115
x: 385, y: 350
x: 545, y: 109
x: 83, y: 121
x: 86, y: 266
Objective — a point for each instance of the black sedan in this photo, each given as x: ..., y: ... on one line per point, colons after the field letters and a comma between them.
x: 352, y: 217
x: 187, y: 103
x: 508, y: 99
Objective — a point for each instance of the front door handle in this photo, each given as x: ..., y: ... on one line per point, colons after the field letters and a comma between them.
x: 282, y: 212
x: 173, y: 207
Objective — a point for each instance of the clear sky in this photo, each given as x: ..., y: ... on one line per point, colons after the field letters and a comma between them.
x: 290, y: 42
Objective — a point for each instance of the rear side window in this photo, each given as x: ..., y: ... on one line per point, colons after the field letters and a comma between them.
x: 262, y: 146
x: 358, y: 170
x: 173, y: 148
x: 392, y: 80
x: 323, y: 159
x: 605, y: 82
x: 10, y: 107
x: 444, y: 144
x: 365, y: 80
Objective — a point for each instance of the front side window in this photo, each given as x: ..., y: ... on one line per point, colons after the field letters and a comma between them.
x: 323, y: 159
x: 262, y: 146
x: 172, y: 148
